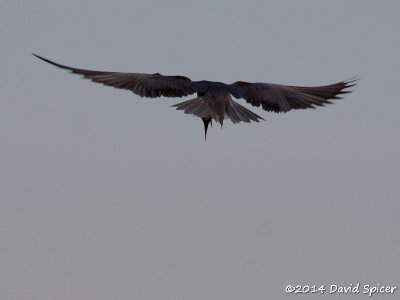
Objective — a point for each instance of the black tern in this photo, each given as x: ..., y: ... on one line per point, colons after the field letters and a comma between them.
x: 214, y: 101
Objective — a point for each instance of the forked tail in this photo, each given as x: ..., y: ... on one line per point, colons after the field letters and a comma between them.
x: 217, y: 107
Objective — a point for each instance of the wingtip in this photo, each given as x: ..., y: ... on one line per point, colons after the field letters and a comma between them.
x: 44, y: 59
x: 37, y: 55
x: 351, y: 81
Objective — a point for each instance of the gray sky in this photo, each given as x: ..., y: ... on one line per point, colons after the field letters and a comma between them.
x: 105, y: 195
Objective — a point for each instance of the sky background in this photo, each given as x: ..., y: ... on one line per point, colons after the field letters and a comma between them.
x: 106, y: 195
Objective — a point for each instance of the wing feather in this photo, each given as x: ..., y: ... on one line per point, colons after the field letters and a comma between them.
x: 282, y: 98
x: 144, y: 85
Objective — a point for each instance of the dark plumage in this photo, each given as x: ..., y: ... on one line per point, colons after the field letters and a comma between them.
x: 214, y: 101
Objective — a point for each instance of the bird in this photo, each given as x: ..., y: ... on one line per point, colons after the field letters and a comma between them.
x: 214, y: 99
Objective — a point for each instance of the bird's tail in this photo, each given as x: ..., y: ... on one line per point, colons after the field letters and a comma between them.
x: 203, y: 108
x: 217, y: 108
x: 238, y: 113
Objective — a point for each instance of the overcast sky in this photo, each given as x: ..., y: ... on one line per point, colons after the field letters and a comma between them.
x: 106, y: 195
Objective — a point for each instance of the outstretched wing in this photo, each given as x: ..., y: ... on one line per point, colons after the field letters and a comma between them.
x: 144, y: 85
x: 282, y: 98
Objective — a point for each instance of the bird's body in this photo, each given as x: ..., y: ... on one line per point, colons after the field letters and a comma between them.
x: 214, y: 99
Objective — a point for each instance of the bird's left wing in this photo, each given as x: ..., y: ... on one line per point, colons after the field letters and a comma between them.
x: 282, y: 98
x: 144, y: 85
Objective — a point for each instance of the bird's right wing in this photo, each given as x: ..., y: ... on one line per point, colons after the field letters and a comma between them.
x: 144, y: 85
x: 282, y: 98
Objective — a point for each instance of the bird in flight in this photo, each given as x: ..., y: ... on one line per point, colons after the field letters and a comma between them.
x: 214, y: 99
